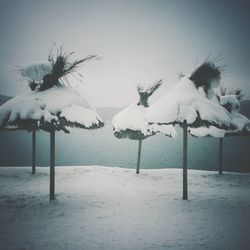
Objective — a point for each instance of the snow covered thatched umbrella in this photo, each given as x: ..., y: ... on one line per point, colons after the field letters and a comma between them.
x: 230, y: 100
x: 51, y: 105
x: 131, y: 123
x: 185, y: 105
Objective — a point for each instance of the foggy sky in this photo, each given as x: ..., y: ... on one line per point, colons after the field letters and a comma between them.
x: 138, y: 41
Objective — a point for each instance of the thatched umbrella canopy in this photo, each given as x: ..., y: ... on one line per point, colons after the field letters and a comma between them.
x: 131, y: 122
x: 51, y: 105
x: 185, y: 105
x: 230, y: 100
x: 57, y: 108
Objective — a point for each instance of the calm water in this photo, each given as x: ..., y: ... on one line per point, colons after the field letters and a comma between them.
x: 102, y: 148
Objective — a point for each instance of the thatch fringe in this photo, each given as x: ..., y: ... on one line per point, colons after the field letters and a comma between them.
x: 62, y: 68
x: 146, y: 91
x: 60, y: 125
x: 201, y: 123
x: 205, y: 123
x: 130, y: 134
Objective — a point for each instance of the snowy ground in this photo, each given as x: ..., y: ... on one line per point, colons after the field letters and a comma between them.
x: 112, y: 208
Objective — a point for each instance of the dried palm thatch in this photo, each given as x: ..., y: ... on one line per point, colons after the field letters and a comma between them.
x: 62, y: 68
x: 207, y: 74
x: 55, y: 72
x: 199, y: 122
x: 146, y: 91
x: 131, y: 134
x: 60, y: 125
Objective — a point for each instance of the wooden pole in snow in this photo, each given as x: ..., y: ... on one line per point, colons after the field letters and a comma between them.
x: 139, y: 157
x: 221, y: 156
x: 33, y: 151
x: 185, y: 155
x: 52, y: 165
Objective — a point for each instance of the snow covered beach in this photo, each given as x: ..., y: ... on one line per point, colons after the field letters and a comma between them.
x: 67, y: 188
x: 113, y: 208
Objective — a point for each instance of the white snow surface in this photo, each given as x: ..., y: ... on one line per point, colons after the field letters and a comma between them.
x: 133, y: 118
x: 183, y: 102
x: 113, y: 208
x: 36, y: 71
x: 46, y: 104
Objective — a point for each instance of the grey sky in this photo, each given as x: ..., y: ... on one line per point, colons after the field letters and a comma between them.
x: 137, y: 40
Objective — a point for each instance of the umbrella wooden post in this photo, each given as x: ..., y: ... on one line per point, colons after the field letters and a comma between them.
x: 33, y: 151
x: 52, y: 165
x: 139, y: 157
x: 185, y: 155
x: 221, y: 156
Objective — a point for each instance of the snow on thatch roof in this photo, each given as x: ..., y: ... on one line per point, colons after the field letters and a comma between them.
x: 58, y: 107
x: 207, y: 132
x: 51, y: 104
x: 185, y: 102
x: 230, y: 100
x: 131, y: 122
x: 44, y: 75
x: 241, y: 123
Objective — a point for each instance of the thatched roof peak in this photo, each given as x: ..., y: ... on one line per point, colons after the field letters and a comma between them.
x: 207, y: 75
x: 55, y: 72
x: 146, y: 91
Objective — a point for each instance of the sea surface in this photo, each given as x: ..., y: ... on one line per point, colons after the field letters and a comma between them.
x: 100, y: 147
